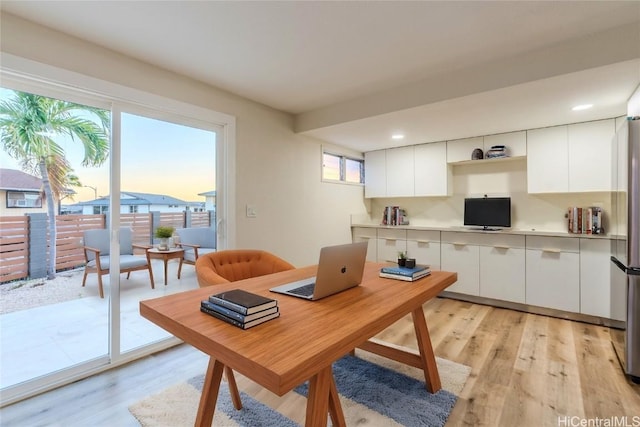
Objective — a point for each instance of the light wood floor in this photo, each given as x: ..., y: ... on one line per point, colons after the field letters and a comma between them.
x: 527, y: 370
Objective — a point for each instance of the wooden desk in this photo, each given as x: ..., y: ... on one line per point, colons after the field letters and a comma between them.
x: 165, y: 256
x: 307, y: 337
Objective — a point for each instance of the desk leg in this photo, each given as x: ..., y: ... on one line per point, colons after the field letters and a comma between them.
x: 322, y: 398
x: 209, y: 395
x: 431, y: 376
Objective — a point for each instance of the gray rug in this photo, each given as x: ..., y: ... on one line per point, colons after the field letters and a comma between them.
x: 373, y: 391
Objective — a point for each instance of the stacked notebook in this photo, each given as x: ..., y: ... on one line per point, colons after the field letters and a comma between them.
x: 404, y: 273
x: 241, y: 308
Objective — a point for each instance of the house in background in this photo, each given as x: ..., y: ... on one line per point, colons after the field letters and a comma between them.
x: 210, y: 200
x: 135, y: 203
x: 21, y: 193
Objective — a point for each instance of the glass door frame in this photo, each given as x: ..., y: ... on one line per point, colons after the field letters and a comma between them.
x: 22, y: 74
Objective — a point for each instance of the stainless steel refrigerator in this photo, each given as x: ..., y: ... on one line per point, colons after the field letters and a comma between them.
x: 626, y: 246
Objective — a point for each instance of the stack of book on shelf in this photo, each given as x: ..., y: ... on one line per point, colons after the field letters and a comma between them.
x: 586, y: 220
x: 405, y: 273
x: 241, y: 308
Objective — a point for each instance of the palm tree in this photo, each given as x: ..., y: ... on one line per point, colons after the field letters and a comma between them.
x: 28, y: 124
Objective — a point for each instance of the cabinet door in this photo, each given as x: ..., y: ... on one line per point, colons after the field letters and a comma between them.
x: 375, y: 174
x: 590, y: 151
x: 502, y: 268
x: 424, y: 246
x: 553, y: 274
x: 459, y: 150
x: 363, y: 234
x: 390, y: 242
x: 432, y: 173
x: 462, y: 258
x: 595, y: 277
x: 547, y: 160
x: 400, y: 174
x: 515, y: 142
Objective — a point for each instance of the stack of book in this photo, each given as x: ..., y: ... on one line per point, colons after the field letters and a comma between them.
x: 241, y: 308
x: 585, y: 220
x: 404, y: 273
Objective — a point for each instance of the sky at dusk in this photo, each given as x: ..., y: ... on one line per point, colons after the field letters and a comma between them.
x: 157, y: 157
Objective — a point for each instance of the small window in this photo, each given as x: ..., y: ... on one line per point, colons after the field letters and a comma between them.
x: 133, y: 209
x: 98, y: 210
x: 341, y: 168
x: 24, y: 199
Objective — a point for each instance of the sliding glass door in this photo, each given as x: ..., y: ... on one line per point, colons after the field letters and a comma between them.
x: 157, y: 169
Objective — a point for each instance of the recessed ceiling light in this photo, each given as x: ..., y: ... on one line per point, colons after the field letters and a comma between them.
x: 582, y: 107
x: 397, y: 136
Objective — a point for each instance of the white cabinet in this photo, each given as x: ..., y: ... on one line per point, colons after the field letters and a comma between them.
x: 570, y: 158
x: 553, y: 273
x: 515, y: 142
x: 460, y: 253
x: 460, y: 150
x: 433, y: 175
x: 390, y: 242
x: 590, y: 155
x: 375, y: 174
x: 400, y: 173
x: 502, y: 267
x: 369, y: 235
x: 547, y: 160
x: 424, y: 246
x: 596, y: 297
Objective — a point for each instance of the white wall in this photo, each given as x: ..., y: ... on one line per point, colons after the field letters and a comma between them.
x: 277, y: 170
x: 540, y: 212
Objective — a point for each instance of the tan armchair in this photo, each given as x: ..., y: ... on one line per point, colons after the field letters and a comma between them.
x: 233, y: 265
x: 96, y: 254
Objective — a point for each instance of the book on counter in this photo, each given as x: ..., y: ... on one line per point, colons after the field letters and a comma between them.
x: 243, y: 318
x: 404, y: 273
x: 205, y: 307
x: 242, y: 302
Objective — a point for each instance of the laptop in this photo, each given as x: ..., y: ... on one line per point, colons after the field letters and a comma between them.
x: 339, y: 268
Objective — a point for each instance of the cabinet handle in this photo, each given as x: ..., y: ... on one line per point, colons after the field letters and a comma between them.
x: 389, y: 240
x: 501, y: 247
x: 459, y: 244
x: 551, y: 251
x: 422, y: 241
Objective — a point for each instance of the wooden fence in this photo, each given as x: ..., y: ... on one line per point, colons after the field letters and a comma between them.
x: 15, y: 237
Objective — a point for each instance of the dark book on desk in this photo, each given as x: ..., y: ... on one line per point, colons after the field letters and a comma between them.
x: 234, y: 322
x: 404, y: 271
x: 416, y: 276
x: 243, y: 318
x: 242, y: 302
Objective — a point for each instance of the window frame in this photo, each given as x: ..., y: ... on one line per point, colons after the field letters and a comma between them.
x: 343, y: 168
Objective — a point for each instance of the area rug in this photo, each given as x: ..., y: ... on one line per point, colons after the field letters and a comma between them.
x: 373, y: 391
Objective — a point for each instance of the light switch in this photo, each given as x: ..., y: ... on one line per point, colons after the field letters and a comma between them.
x: 251, y: 211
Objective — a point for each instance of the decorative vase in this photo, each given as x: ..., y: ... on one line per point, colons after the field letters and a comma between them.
x: 410, y: 262
x: 164, y: 244
x: 401, y: 262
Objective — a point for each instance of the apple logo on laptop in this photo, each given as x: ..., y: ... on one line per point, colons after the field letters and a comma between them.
x: 343, y: 269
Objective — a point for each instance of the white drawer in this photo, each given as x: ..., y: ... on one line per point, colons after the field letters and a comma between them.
x: 554, y: 244
x: 391, y: 234
x: 364, y: 233
x: 423, y: 236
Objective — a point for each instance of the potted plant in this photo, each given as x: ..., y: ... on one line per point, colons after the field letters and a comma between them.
x: 402, y: 258
x: 164, y: 233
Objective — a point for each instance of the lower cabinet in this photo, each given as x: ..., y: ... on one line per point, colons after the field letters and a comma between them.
x: 553, y: 273
x: 502, y: 267
x: 597, y: 297
x: 424, y: 246
x: 460, y: 253
x: 366, y: 234
x: 390, y: 242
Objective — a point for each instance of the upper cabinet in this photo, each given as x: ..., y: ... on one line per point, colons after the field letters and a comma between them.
x: 375, y: 174
x: 570, y: 158
x: 400, y: 172
x: 460, y: 150
x: 432, y: 173
x: 412, y: 171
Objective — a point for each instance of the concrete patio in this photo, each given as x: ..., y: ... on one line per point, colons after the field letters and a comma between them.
x: 41, y: 340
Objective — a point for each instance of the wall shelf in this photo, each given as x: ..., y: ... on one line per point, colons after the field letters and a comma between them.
x: 483, y: 161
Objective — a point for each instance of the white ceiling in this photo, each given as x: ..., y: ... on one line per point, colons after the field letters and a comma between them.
x: 324, y: 61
